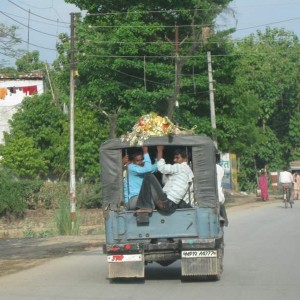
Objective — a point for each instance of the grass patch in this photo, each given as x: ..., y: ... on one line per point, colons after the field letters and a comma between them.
x: 63, y: 220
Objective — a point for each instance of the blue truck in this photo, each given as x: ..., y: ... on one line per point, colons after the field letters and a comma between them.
x: 134, y: 238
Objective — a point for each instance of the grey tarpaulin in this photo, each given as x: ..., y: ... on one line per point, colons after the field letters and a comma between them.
x: 203, y: 161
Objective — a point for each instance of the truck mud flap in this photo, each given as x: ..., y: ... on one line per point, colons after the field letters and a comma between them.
x: 201, y: 263
x: 126, y: 266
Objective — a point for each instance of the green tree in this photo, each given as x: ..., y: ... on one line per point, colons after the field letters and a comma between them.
x: 267, y: 68
x: 29, y: 62
x: 126, y: 64
x: 8, y: 42
x: 37, y: 143
x: 21, y: 155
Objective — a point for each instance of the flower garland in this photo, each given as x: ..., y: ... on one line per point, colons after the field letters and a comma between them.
x: 147, y: 126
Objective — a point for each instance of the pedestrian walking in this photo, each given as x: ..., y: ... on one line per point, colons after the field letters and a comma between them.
x: 263, y: 186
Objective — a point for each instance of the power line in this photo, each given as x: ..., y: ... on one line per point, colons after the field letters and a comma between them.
x: 6, y: 54
x: 33, y: 20
x: 267, y: 24
x: 149, y: 11
x: 148, y: 26
x: 181, y: 56
x: 186, y: 26
x: 37, y: 14
x: 33, y: 44
x: 27, y: 26
x: 139, y: 78
x: 30, y: 5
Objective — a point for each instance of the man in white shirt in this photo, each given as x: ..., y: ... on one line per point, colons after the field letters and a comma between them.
x: 221, y: 196
x: 220, y: 175
x: 178, y: 190
x: 286, y: 181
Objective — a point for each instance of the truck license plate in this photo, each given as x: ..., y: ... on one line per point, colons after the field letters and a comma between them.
x: 199, y: 253
x: 124, y: 258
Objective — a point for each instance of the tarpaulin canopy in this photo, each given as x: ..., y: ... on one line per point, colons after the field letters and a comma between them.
x: 203, y: 163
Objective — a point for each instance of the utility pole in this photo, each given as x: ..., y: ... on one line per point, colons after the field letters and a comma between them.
x: 72, y: 143
x: 50, y: 83
x: 28, y: 30
x: 178, y: 68
x: 211, y: 98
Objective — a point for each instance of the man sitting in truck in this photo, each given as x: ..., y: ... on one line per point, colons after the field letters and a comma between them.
x: 136, y: 171
x: 178, y: 190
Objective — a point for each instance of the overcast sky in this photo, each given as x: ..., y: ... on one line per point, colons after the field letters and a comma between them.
x: 48, y: 18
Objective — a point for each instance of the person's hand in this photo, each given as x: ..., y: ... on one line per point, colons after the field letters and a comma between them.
x: 145, y: 150
x: 160, y: 149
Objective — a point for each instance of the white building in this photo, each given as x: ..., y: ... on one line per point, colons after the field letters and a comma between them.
x: 13, y: 89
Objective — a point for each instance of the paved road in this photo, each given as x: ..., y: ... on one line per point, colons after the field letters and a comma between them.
x: 261, y: 262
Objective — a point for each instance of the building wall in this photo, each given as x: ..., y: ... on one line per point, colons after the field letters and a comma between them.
x: 16, y: 91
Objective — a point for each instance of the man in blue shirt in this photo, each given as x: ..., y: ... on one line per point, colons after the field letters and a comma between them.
x: 136, y: 171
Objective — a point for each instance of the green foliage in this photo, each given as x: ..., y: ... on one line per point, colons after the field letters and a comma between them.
x: 15, y: 192
x: 294, y: 135
x: 126, y: 69
x: 46, y: 233
x: 63, y: 220
x: 8, y: 41
x: 28, y: 231
x: 128, y: 56
x: 38, y: 144
x: 29, y: 62
x: 20, y: 155
x: 53, y: 193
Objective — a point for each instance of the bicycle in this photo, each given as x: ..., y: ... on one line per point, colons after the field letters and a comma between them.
x: 286, y: 196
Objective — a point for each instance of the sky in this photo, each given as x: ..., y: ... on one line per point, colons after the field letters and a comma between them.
x: 48, y: 18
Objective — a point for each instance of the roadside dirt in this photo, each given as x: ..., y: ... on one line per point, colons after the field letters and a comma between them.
x: 17, y: 254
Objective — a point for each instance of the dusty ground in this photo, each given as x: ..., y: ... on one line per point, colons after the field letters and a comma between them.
x: 17, y: 254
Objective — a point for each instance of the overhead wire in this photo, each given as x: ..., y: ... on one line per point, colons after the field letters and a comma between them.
x: 34, y: 44
x: 139, y: 78
x: 148, y: 26
x: 46, y: 33
x: 148, y: 11
x: 68, y: 23
x: 33, y: 20
x: 130, y: 56
x: 30, y: 5
x: 268, y: 24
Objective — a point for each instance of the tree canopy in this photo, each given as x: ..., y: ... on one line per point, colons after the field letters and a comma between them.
x: 133, y: 58
x: 8, y: 42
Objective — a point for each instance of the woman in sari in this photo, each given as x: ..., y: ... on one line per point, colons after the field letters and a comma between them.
x: 263, y: 185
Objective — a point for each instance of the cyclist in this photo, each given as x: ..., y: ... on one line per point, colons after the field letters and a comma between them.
x: 286, y: 181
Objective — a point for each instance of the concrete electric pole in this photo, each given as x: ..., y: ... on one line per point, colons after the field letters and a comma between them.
x: 72, y: 142
x: 211, y: 98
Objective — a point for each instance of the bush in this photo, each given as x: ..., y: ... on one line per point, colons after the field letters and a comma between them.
x: 87, y: 195
x: 15, y: 192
